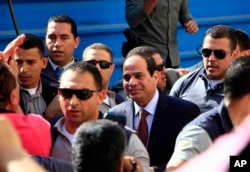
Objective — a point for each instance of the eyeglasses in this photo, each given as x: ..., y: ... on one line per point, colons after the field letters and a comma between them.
x: 102, y: 63
x: 219, y: 54
x: 82, y: 94
x: 160, y: 66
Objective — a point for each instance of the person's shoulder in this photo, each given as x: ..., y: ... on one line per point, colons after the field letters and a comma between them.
x: 49, y: 81
x: 185, y: 82
x: 179, y: 101
x: 180, y: 105
x: 122, y: 105
x: 36, y: 119
x: 191, y: 74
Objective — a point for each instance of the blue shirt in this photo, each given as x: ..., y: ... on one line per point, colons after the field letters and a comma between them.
x: 195, y: 87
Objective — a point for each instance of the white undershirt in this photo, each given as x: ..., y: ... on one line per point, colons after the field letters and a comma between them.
x: 31, y: 91
x: 69, y: 136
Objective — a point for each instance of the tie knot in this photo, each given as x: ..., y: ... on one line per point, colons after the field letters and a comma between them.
x: 143, y: 113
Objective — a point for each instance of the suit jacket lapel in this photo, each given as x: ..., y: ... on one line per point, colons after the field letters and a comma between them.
x: 129, y: 112
x: 159, y: 121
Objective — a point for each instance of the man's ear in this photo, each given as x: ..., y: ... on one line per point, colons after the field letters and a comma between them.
x: 45, y: 62
x: 102, y: 95
x: 155, y: 77
x: 14, y: 97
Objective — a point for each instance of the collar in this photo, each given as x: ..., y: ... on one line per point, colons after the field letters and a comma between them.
x: 54, y: 66
x: 211, y: 85
x: 60, y: 123
x: 150, y: 107
x: 38, y: 89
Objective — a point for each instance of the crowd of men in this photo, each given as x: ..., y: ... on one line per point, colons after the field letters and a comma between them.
x: 61, y: 110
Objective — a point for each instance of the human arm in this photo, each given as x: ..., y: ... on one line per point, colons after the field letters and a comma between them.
x: 54, y: 164
x: 13, y: 158
x: 138, y: 10
x: 177, y: 86
x: 220, y: 162
x: 7, y: 54
x: 132, y: 164
x: 191, y: 141
x: 186, y: 18
x: 244, y: 53
x: 191, y: 26
x: 53, y: 109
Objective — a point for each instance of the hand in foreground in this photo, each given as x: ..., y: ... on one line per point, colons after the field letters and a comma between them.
x: 131, y: 164
x: 7, y: 54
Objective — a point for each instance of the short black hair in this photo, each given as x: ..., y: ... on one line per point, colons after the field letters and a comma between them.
x: 223, y: 31
x: 242, y: 39
x: 32, y: 41
x: 83, y: 67
x: 62, y: 18
x: 237, y: 80
x: 151, y: 65
x: 98, y: 146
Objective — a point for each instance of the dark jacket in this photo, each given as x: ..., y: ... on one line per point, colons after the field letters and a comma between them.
x: 49, y: 71
x: 171, y: 115
x: 217, y: 122
x: 53, y: 164
x: 49, y: 90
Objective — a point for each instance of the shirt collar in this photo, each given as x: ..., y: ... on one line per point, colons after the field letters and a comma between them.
x: 54, y: 66
x: 38, y: 89
x: 150, y: 107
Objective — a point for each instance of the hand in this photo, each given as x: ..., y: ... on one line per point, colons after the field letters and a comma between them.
x: 183, y: 71
x: 11, y: 47
x: 131, y: 164
x: 7, y: 54
x: 191, y: 27
x: 244, y: 53
x: 53, y: 108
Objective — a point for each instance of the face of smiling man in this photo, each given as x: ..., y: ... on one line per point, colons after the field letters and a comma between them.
x: 137, y: 81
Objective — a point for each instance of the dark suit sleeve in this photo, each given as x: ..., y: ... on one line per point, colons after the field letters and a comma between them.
x: 53, y: 164
x: 160, y: 168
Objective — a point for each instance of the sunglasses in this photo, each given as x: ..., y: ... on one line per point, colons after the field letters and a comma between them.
x: 160, y: 66
x: 102, y: 63
x: 219, y: 54
x: 82, y: 94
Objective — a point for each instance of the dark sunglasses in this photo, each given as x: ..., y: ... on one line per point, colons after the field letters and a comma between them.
x: 160, y: 66
x: 82, y: 94
x: 102, y: 63
x: 219, y: 54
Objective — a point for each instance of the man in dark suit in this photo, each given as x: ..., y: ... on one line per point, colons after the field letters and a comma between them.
x: 165, y: 115
x: 61, y: 40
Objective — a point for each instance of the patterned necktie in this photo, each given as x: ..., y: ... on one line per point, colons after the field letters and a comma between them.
x: 143, y: 127
x: 58, y: 72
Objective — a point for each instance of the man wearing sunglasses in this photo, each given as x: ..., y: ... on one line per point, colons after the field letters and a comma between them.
x: 101, y: 56
x: 201, y: 133
x: 204, y: 86
x: 80, y: 95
